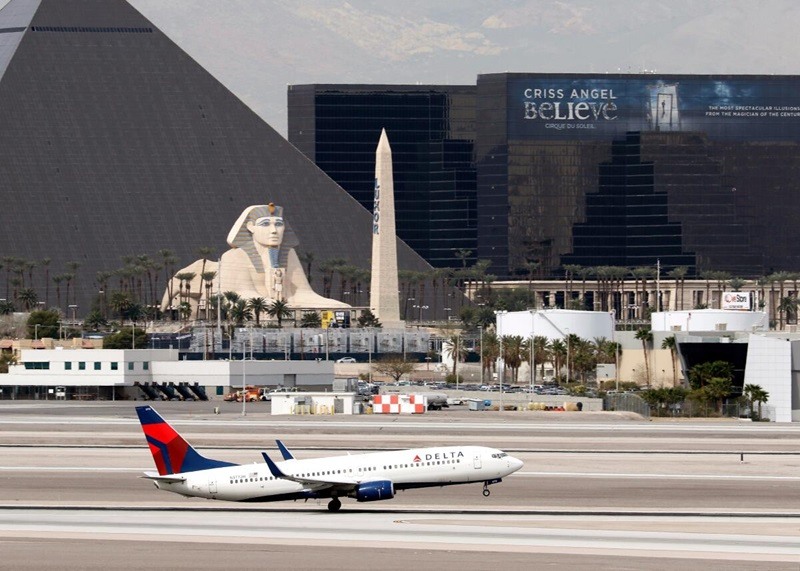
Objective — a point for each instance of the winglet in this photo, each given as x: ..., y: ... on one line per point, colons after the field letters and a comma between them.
x: 272, y: 467
x: 285, y: 451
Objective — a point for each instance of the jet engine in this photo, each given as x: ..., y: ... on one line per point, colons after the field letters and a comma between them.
x: 374, y: 491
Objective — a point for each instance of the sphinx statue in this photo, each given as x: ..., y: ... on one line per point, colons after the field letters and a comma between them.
x: 262, y: 263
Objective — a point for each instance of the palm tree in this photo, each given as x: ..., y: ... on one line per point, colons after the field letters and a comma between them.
x: 258, y: 305
x: 642, y: 273
x: 513, y: 354
x: 455, y: 350
x: 646, y: 337
x: 736, y: 283
x: 573, y: 350
x: 780, y: 277
x: 328, y: 268
x: 671, y: 344
x: 584, y: 273
x: 120, y: 301
x: 311, y: 319
x: 490, y: 351
x: 541, y: 351
x: 68, y: 278
x: 307, y: 258
x: 185, y: 285
x: 754, y: 393
x: 788, y: 307
x: 279, y: 309
x: 8, y: 264
x: 45, y: 263
x: 558, y: 351
x: 168, y: 261
x: 679, y: 274
x: 208, y: 280
x: 28, y: 298
x: 57, y: 280
x: 239, y: 312
x: 73, y: 272
x: 462, y: 254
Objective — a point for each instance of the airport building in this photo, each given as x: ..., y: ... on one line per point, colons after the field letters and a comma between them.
x: 605, y: 169
x: 111, y: 374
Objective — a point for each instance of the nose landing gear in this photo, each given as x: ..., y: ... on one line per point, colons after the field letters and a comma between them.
x: 486, y: 491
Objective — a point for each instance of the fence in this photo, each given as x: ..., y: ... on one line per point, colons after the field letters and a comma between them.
x: 627, y: 402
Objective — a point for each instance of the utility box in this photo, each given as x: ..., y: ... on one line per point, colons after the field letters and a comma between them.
x: 476, y: 404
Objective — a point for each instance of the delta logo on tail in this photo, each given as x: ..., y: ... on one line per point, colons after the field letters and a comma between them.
x: 171, y: 452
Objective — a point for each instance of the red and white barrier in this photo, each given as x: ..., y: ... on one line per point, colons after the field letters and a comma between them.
x: 399, y: 404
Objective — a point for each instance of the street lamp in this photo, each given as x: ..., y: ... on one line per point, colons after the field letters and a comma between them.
x: 532, y: 361
x: 369, y: 350
x: 569, y: 369
x: 244, y: 380
x: 480, y: 351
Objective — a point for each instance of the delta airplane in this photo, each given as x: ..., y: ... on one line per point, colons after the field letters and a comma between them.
x: 365, y: 477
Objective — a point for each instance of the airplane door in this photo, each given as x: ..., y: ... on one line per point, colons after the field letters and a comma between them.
x: 476, y: 461
x: 212, y: 486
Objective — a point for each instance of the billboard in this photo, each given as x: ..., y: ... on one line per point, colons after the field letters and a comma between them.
x: 736, y: 300
x: 602, y: 107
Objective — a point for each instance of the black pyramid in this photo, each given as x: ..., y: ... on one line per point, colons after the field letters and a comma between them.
x: 114, y: 142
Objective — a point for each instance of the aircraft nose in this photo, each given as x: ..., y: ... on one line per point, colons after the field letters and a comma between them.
x: 514, y: 463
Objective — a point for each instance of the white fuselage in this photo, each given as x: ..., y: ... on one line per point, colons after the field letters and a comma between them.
x: 414, y: 468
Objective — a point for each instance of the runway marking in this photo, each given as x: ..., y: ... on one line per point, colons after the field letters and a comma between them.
x: 425, y: 424
x: 621, y: 475
x: 68, y: 469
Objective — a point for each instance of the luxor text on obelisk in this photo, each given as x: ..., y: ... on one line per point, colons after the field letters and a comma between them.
x: 384, y: 293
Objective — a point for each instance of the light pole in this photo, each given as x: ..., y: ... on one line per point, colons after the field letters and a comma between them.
x: 533, y: 361
x: 480, y: 351
x: 36, y: 331
x: 133, y: 334
x: 502, y: 370
x: 369, y: 350
x: 244, y: 381
x: 327, y: 344
x: 569, y: 368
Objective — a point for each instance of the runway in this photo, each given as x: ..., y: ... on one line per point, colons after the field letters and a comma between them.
x: 651, y: 496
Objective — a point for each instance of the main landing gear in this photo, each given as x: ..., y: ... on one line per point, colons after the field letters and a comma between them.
x: 486, y: 491
x: 334, y: 505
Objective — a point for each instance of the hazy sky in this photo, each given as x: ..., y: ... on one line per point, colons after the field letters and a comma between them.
x: 258, y: 47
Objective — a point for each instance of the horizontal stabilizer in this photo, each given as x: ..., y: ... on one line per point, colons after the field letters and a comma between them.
x: 160, y: 478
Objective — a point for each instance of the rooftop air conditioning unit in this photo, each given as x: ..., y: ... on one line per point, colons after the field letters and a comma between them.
x: 721, y: 326
x: 676, y: 328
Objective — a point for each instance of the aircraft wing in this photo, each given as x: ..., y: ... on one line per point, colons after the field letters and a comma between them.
x: 170, y: 478
x: 338, y: 481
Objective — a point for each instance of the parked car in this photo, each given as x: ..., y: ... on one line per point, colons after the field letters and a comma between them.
x: 346, y: 360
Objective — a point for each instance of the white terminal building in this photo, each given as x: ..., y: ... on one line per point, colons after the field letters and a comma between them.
x: 770, y: 359
x: 134, y: 373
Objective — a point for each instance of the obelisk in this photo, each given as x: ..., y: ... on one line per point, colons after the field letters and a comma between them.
x: 384, y: 299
